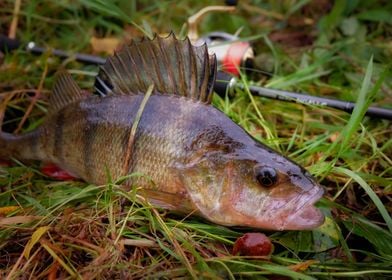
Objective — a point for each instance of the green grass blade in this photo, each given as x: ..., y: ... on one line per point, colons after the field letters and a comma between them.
x: 376, y: 200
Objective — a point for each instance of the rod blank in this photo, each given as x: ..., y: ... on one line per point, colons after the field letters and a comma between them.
x: 226, y: 82
x: 223, y: 83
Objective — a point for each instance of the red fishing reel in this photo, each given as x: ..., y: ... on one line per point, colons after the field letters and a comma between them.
x: 232, y: 54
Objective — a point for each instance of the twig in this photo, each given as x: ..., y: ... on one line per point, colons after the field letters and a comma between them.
x: 98, y: 249
x: 3, y: 105
x: 14, y: 23
x: 34, y: 100
x: 139, y: 242
x: 194, y: 20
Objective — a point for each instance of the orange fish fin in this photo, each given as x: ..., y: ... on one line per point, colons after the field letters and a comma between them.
x: 173, y: 66
x: 65, y: 91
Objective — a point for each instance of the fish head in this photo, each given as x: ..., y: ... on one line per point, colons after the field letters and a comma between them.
x: 257, y: 188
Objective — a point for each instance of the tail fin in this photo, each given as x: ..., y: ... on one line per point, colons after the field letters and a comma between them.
x: 16, y: 146
x: 22, y: 147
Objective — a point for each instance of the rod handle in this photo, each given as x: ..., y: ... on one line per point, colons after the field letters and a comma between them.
x: 8, y: 44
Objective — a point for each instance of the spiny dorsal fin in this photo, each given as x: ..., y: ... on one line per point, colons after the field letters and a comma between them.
x: 65, y: 91
x: 173, y: 66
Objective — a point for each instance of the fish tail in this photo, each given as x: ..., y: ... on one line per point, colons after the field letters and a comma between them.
x: 17, y: 146
x: 33, y: 145
x: 5, y: 143
x: 21, y: 147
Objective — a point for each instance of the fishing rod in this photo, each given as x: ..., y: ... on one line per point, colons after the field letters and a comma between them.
x: 224, y: 82
x: 8, y: 44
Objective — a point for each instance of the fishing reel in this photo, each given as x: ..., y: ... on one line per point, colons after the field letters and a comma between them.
x: 231, y: 53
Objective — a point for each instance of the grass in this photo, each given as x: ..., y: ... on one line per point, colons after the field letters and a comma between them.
x: 51, y: 229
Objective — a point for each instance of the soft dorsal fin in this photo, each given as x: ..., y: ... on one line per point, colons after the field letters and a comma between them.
x: 65, y: 91
x: 173, y: 66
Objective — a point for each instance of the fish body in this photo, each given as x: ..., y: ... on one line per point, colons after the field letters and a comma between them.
x: 193, y: 157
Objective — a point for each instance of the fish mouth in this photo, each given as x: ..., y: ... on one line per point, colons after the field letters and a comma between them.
x: 297, y: 214
x: 306, y: 217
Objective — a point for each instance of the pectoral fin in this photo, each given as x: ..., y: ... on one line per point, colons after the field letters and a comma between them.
x: 175, y: 202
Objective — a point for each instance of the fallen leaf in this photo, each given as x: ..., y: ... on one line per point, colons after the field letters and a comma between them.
x: 302, y: 266
x: 35, y: 237
x: 54, y: 268
x: 8, y: 209
x: 18, y: 220
x: 104, y: 45
x: 139, y: 242
x: 334, y: 136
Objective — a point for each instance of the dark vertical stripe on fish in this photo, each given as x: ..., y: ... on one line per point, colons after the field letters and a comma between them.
x: 127, y: 157
x: 35, y: 135
x: 88, y: 150
x: 58, y: 136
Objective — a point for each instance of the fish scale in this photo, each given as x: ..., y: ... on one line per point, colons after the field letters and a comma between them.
x: 193, y: 158
x: 161, y: 143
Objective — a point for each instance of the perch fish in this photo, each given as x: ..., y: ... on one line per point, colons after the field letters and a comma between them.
x: 194, y: 158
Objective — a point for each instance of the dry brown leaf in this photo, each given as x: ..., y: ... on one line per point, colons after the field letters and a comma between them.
x: 302, y: 266
x: 139, y: 242
x: 104, y: 45
x: 334, y: 136
x: 7, y: 209
x: 18, y: 220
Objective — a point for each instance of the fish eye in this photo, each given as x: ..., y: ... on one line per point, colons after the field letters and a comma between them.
x: 266, y: 176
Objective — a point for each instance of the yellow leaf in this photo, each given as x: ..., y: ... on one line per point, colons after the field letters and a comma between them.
x: 106, y: 45
x: 302, y: 266
x: 35, y: 237
x: 8, y: 209
x: 18, y: 220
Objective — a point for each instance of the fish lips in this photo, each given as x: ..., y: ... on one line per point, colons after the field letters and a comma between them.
x: 306, y: 217
x: 300, y: 213
x: 276, y: 211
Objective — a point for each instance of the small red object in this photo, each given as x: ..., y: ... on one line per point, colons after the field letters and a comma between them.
x: 253, y: 244
x: 55, y: 172
x: 234, y: 57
